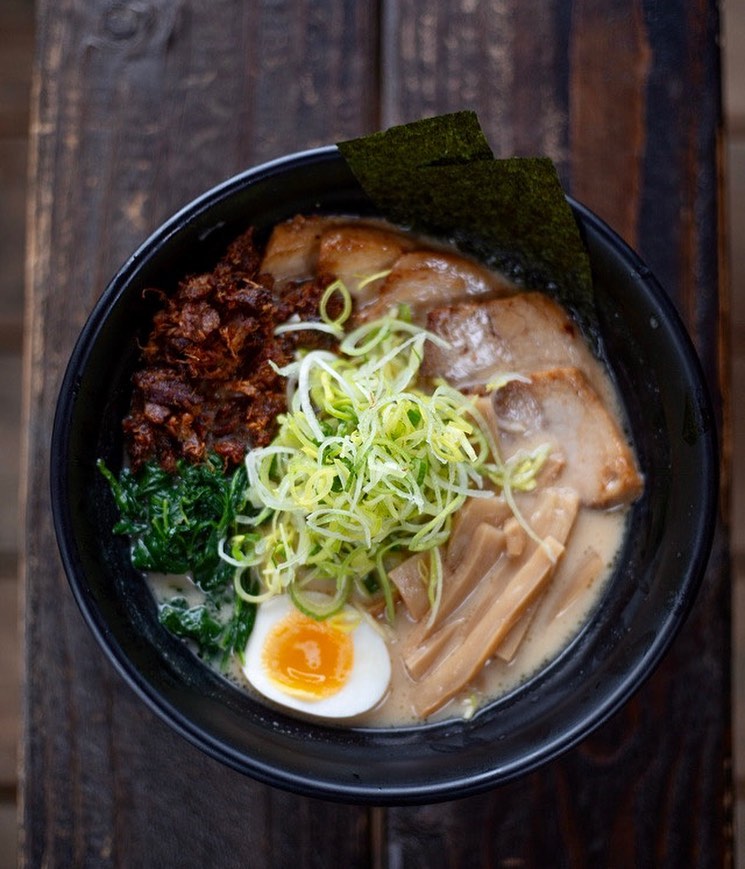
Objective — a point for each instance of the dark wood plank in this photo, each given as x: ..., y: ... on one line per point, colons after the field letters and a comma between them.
x: 12, y: 208
x: 10, y: 706
x: 625, y: 97
x: 139, y: 107
x: 17, y: 28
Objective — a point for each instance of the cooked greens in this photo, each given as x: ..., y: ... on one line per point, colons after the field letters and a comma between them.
x: 215, y: 635
x: 175, y: 522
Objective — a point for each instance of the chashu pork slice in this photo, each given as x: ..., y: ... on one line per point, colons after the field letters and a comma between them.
x: 559, y: 407
x: 291, y: 253
x: 353, y: 251
x: 424, y: 278
x: 522, y: 333
x: 357, y: 252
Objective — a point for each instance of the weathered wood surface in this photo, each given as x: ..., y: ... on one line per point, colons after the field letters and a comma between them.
x: 141, y: 105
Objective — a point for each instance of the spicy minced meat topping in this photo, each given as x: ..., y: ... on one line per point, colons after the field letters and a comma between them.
x: 204, y: 383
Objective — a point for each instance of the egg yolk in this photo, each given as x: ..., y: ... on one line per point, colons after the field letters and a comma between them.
x: 309, y: 658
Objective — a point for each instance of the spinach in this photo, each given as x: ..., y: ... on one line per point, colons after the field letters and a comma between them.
x: 203, y: 624
x: 197, y: 623
x: 175, y: 522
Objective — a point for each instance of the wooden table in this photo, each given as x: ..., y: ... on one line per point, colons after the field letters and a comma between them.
x: 141, y: 104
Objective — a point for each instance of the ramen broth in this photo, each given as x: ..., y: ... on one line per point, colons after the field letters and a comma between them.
x: 460, y: 300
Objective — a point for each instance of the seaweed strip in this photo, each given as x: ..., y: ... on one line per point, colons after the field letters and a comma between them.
x: 439, y: 176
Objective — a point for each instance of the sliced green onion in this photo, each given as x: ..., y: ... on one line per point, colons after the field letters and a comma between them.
x: 307, y: 325
x: 332, y: 326
x: 319, y: 606
x: 371, y: 278
x: 333, y: 288
x: 364, y: 462
x: 434, y: 585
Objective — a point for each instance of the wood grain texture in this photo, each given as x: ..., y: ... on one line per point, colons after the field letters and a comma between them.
x: 639, y: 119
x: 610, y: 67
x: 141, y: 105
x: 9, y: 677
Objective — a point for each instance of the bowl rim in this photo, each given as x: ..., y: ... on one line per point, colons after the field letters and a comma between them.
x: 310, y: 785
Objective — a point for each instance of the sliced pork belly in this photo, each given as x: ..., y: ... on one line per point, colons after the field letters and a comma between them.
x: 292, y: 250
x: 354, y: 252
x: 560, y: 407
x: 427, y: 278
x: 350, y: 250
x: 523, y: 332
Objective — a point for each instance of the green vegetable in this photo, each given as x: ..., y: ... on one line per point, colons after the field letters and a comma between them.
x: 365, y: 463
x: 196, y: 623
x: 175, y: 522
x: 205, y: 625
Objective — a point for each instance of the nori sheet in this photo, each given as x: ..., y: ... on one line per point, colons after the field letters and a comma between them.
x: 439, y: 176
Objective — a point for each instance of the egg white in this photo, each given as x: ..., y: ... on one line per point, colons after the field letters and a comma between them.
x: 365, y: 686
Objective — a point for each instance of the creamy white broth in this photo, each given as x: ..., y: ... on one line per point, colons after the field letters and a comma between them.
x: 600, y: 527
x: 548, y: 634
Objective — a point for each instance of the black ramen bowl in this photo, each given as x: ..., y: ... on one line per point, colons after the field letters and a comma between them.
x: 645, y: 602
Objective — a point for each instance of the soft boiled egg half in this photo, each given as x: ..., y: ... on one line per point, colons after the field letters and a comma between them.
x: 335, y: 668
